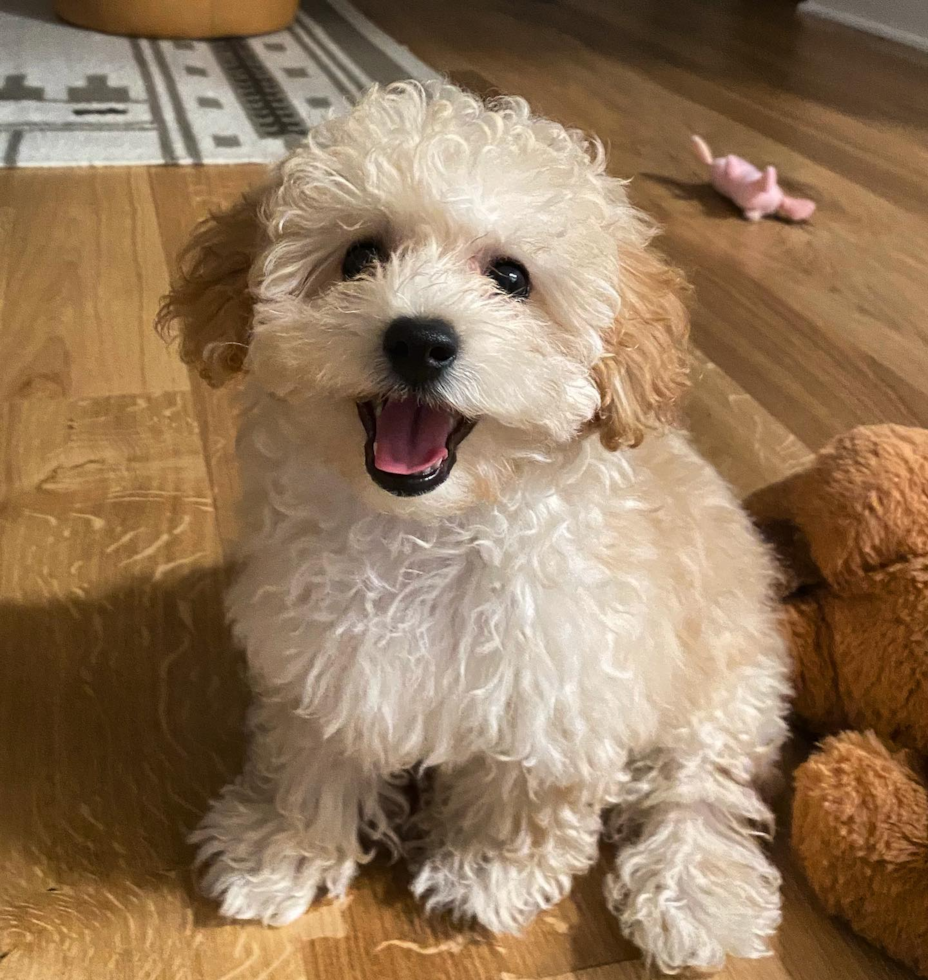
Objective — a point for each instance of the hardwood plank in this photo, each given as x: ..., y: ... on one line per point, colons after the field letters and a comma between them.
x: 711, y: 55
x: 746, y: 444
x: 784, y: 359
x: 118, y: 680
x: 83, y: 271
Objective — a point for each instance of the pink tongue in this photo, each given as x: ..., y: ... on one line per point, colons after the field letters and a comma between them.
x: 410, y: 437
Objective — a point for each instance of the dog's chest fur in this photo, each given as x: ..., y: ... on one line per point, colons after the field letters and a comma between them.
x: 522, y: 631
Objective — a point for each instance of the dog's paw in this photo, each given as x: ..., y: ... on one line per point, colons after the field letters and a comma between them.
x: 258, y: 867
x: 694, y: 912
x: 275, y: 895
x: 502, y: 894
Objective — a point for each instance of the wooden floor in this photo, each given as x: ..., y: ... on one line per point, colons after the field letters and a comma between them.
x: 121, y: 696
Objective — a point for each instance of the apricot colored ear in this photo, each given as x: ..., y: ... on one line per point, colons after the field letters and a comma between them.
x: 644, y: 370
x: 209, y: 306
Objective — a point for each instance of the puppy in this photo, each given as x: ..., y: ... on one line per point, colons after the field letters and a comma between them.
x: 473, y: 540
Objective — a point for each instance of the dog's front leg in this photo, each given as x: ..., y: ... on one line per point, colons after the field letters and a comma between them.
x: 692, y: 882
x: 502, y: 846
x: 288, y: 826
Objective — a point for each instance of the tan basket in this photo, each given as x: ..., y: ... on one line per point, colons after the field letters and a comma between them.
x: 179, y: 18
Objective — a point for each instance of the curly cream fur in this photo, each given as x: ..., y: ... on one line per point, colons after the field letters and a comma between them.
x: 559, y: 630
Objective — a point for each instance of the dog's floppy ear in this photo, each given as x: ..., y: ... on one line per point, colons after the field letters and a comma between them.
x: 644, y: 370
x: 209, y: 306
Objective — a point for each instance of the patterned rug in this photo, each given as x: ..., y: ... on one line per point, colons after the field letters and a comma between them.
x: 71, y: 97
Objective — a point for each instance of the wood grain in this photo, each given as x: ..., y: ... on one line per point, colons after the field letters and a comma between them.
x: 82, y: 270
x: 121, y: 694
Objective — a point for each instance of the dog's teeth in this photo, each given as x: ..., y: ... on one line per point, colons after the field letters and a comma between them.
x: 378, y: 408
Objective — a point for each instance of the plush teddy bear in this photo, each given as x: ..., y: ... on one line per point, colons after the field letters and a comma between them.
x: 852, y: 533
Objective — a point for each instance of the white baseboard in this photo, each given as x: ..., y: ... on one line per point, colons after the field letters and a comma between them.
x: 865, y: 24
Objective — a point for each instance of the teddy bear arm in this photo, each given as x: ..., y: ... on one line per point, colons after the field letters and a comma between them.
x: 860, y: 828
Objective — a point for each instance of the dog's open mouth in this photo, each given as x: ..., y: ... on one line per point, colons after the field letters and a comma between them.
x: 411, y: 446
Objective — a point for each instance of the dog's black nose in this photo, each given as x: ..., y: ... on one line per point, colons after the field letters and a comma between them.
x: 420, y: 348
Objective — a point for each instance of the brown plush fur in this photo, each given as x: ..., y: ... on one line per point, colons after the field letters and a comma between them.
x: 860, y: 827
x: 852, y: 532
x: 859, y: 504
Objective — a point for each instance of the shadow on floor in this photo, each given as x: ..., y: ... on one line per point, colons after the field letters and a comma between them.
x: 711, y: 203
x: 128, y: 709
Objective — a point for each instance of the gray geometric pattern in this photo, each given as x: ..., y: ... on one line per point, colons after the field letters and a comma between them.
x: 108, y: 110
x: 15, y: 89
x: 70, y: 97
x: 97, y: 89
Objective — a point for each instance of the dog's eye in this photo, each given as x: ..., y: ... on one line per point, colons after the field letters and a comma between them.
x: 360, y: 257
x: 511, y: 277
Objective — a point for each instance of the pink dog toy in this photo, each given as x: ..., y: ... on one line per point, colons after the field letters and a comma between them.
x: 756, y: 192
